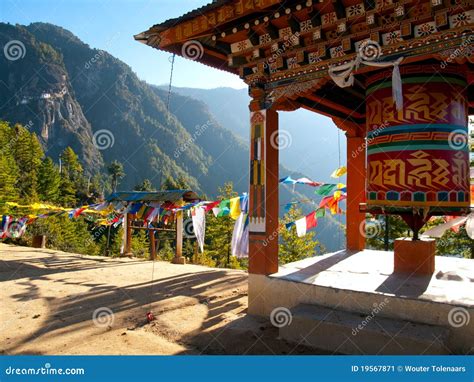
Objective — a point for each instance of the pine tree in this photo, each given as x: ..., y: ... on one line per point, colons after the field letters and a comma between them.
x: 8, y: 168
x: 144, y: 186
x: 181, y: 183
x: 49, y: 181
x: 67, y: 192
x: 28, y: 154
x: 71, y: 166
x: 294, y: 248
x: 116, y: 172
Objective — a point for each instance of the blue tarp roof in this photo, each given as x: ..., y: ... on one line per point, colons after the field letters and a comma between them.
x: 154, y: 196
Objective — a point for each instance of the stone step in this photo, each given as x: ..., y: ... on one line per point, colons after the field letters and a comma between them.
x: 352, y: 333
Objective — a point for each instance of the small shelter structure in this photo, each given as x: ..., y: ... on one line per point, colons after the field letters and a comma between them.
x: 143, y: 199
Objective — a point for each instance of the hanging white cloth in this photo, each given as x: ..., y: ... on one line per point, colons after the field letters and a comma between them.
x: 240, y: 237
x: 343, y: 75
x: 198, y: 215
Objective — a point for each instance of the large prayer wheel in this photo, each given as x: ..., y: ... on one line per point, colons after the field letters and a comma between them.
x: 418, y: 156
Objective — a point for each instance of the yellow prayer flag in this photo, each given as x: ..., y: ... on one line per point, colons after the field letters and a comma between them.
x: 234, y: 208
x: 339, y: 172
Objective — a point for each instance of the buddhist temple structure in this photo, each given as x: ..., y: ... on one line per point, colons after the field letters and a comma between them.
x: 395, y: 76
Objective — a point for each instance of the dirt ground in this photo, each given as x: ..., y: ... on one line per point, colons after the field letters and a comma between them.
x: 53, y: 302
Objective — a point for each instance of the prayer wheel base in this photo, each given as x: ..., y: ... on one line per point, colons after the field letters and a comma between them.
x: 414, y: 257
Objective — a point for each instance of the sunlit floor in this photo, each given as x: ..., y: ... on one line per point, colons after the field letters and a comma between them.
x: 371, y: 271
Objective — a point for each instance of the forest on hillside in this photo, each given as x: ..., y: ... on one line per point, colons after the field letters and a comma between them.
x: 29, y: 177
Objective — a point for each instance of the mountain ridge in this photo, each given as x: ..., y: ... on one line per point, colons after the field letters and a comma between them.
x: 104, y: 96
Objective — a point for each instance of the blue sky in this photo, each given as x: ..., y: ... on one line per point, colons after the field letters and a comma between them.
x: 111, y: 24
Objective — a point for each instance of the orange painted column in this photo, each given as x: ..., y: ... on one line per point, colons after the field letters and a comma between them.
x: 356, y: 180
x: 263, y: 191
x: 356, y: 177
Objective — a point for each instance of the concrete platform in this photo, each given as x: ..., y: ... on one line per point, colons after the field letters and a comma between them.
x: 362, y: 282
x: 336, y: 330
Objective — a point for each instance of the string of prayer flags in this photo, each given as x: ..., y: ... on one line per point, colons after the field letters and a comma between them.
x: 325, y: 189
x: 339, y: 172
x: 320, y: 212
x: 332, y: 203
x: 134, y: 208
x: 341, y: 188
x: 223, y: 209
x: 307, y: 181
x: 306, y: 223
x: 210, y: 205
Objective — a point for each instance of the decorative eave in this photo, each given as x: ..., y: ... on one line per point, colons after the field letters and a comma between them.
x: 273, y: 45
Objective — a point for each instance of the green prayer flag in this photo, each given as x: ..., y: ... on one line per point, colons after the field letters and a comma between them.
x: 320, y: 212
x: 325, y: 189
x: 224, y: 207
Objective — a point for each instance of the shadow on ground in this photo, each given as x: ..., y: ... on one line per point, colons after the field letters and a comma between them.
x: 223, y: 328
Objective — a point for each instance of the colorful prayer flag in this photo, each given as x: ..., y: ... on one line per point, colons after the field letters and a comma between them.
x: 234, y: 207
x: 325, y: 189
x: 306, y: 223
x: 339, y: 172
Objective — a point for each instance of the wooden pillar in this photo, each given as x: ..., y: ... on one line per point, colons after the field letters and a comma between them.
x: 356, y: 179
x: 263, y: 191
x: 152, y: 244
x: 127, y: 235
x: 178, y: 257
